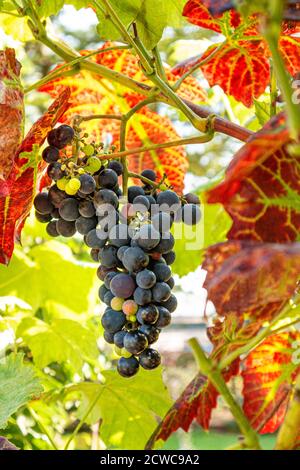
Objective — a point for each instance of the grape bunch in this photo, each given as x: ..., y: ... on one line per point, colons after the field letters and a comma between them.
x: 130, y: 235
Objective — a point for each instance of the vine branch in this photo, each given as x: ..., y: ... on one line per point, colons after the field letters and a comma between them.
x: 216, y: 378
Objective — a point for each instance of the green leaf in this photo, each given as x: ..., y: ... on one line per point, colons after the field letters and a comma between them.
x: 128, y: 407
x: 151, y: 18
x: 48, y: 7
x: 68, y: 340
x: 49, y: 275
x: 262, y: 111
x: 190, y: 242
x: 154, y: 17
x: 15, y: 27
x: 18, y: 384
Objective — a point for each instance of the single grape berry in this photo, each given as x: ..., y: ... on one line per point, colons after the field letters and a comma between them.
x: 43, y: 204
x: 54, y: 171
x: 50, y: 154
x: 105, y: 196
x: 85, y: 225
x: 101, y: 292
x: 68, y: 209
x: 168, y: 199
x: 150, y: 359
x: 43, y: 218
x: 169, y: 257
x: 161, y: 292
x: 51, y: 229
x: 121, y: 251
x: 108, y: 298
x: 108, y: 278
x: 191, y: 198
x: 87, y: 184
x: 86, y: 208
x: 122, y: 285
x: 141, y: 204
x: 102, y: 271
x: 135, y: 342
x: 61, y: 136
x: 94, y: 254
x: 142, y: 296
x: 108, y: 178
x: 135, y: 191
x: 170, y: 303
x: 65, y: 228
x: 92, y: 240
x: 118, y: 338
x: 117, y: 303
x: 162, y: 272
x: 149, y: 174
x: 129, y: 307
x: 148, y: 315
x: 116, y: 166
x: 145, y: 279
x: 127, y: 367
x: 164, y: 317
x: 135, y: 259
x: 94, y: 164
x: 113, y: 321
x: 191, y: 214
x: 72, y: 186
x: 151, y: 332
x: 171, y: 282
x: 109, y: 337
x: 108, y: 257
x: 56, y: 196
x: 147, y: 237
x: 166, y: 243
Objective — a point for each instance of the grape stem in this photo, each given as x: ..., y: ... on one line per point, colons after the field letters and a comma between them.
x: 160, y: 185
x: 215, y: 377
x: 174, y: 143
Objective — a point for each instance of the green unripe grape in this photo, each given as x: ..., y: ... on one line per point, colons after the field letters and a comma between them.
x: 74, y: 184
x: 118, y: 351
x: 89, y: 169
x: 125, y: 353
x: 132, y: 318
x: 81, y: 171
x: 61, y: 184
x: 94, y: 163
x: 117, y: 303
x: 88, y: 150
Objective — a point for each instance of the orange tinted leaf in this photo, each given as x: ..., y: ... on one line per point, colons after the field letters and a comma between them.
x: 246, y: 276
x: 268, y: 375
x: 262, y: 187
x: 289, y: 47
x: 11, y: 114
x: 15, y: 207
x: 197, y: 401
x: 198, y: 14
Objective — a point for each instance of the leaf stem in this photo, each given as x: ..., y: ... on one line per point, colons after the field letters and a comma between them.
x: 42, y: 427
x: 83, y: 420
x: 175, y: 143
x: 290, y: 429
x: 216, y: 378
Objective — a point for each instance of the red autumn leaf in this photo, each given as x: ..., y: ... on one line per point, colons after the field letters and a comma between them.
x: 197, y: 401
x: 240, y: 66
x: 92, y: 93
x: 11, y: 114
x: 268, y: 375
x: 261, y: 188
x: 15, y: 207
x: 248, y: 276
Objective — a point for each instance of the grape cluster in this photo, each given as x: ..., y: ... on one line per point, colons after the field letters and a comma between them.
x: 130, y: 237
